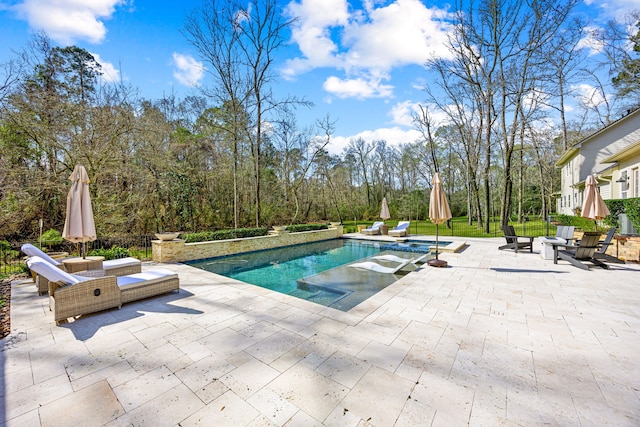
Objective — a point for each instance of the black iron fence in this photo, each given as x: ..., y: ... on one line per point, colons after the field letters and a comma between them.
x: 12, y: 259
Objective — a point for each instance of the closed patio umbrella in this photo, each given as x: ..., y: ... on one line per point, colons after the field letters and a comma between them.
x: 384, y: 212
x: 79, y: 226
x: 593, y: 207
x: 439, y: 213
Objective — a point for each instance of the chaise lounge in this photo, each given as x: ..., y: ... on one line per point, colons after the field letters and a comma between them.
x: 374, y: 266
x: 400, y: 230
x: 114, y: 267
x: 374, y: 229
x: 72, y: 295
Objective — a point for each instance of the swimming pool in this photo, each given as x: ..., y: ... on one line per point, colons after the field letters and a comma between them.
x: 314, y: 271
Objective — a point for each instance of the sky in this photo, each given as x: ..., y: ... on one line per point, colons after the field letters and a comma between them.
x: 359, y: 62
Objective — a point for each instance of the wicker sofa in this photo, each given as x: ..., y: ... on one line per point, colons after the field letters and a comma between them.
x: 72, y: 295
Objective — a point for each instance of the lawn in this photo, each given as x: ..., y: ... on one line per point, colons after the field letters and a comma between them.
x: 460, y: 228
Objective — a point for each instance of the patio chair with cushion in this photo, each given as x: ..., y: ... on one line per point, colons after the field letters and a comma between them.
x: 114, y: 267
x: 374, y: 229
x: 514, y: 241
x: 72, y: 295
x: 581, y: 254
x: 400, y: 230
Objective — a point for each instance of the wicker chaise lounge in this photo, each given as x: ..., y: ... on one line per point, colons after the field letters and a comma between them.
x: 374, y: 229
x: 114, y: 267
x: 400, y: 230
x: 72, y: 295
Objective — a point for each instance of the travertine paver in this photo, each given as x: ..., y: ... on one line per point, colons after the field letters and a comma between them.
x: 498, y: 338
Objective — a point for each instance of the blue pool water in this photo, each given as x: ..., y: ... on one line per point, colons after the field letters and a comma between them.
x: 415, y: 246
x: 311, y: 271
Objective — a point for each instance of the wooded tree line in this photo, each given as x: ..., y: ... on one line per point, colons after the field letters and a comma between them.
x: 236, y: 156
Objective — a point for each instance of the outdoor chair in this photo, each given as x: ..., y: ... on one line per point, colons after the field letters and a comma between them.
x: 72, y: 295
x: 114, y: 267
x: 582, y: 253
x: 400, y: 230
x: 514, y: 241
x: 374, y: 229
x: 565, y: 232
x: 601, y: 253
x: 374, y: 266
x: 394, y: 258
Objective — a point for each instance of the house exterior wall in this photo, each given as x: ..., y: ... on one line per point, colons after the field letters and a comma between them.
x: 608, y: 154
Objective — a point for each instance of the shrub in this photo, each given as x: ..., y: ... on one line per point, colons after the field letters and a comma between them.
x: 296, y: 228
x: 51, y: 237
x: 113, y: 253
x: 237, y: 233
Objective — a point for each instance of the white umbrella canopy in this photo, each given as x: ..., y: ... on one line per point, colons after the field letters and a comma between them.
x: 79, y: 225
x: 439, y: 212
x: 384, y: 212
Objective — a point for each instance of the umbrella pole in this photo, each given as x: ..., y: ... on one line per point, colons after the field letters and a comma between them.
x: 437, y: 262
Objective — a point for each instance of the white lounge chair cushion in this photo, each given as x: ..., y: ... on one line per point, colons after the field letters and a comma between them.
x: 375, y: 226
x: 145, y: 278
x: 394, y: 258
x: 120, y: 262
x: 402, y: 225
x: 374, y: 266
x: 32, y: 251
x: 53, y: 273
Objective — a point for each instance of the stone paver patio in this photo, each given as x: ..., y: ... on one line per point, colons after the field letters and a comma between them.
x: 498, y: 338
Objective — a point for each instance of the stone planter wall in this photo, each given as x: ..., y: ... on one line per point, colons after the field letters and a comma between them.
x: 179, y: 251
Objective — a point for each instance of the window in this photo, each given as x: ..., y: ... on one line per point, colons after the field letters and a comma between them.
x: 624, y: 185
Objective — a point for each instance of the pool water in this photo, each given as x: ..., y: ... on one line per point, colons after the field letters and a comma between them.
x: 314, y: 271
x: 415, y: 246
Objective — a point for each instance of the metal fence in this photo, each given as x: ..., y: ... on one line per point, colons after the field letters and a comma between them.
x: 12, y: 259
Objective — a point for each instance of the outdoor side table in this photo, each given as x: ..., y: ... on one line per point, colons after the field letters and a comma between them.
x: 548, y: 245
x: 74, y: 265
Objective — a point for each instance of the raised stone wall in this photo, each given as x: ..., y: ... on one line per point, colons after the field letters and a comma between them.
x: 179, y: 251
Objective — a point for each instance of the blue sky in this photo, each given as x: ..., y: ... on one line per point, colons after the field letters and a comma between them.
x: 361, y: 62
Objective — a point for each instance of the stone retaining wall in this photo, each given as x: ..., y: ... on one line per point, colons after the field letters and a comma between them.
x: 179, y: 251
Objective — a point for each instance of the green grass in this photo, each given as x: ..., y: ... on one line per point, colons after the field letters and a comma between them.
x: 460, y: 228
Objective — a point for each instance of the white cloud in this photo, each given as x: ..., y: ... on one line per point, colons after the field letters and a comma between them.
x: 402, y: 113
x: 68, y: 20
x: 360, y: 88
x: 366, y: 43
x: 110, y: 74
x: 188, y: 71
x: 615, y: 8
x: 393, y: 136
x: 588, y: 95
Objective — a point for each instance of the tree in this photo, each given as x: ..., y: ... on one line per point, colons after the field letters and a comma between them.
x: 627, y: 81
x: 498, y: 51
x: 240, y: 43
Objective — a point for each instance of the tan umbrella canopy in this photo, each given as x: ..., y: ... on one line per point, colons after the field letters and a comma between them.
x: 439, y: 213
x: 79, y: 226
x: 593, y: 207
x: 384, y: 212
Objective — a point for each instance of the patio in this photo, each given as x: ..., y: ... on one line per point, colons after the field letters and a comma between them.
x: 498, y: 338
